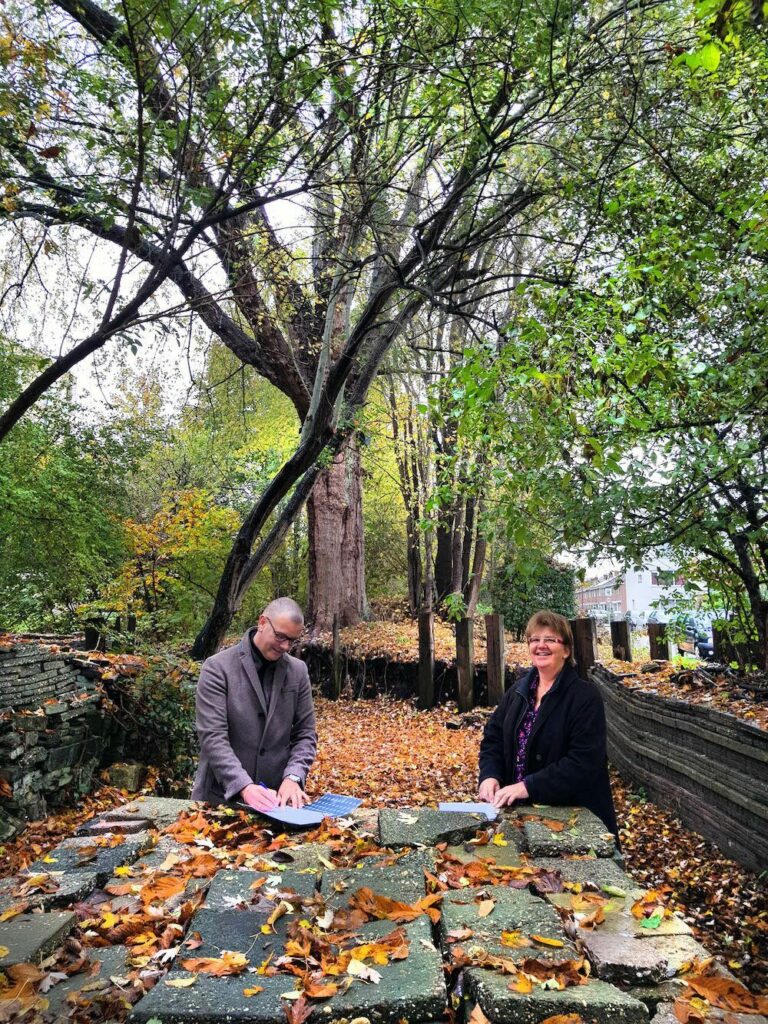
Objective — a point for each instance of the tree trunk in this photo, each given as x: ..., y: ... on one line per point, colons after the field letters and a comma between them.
x: 336, y: 555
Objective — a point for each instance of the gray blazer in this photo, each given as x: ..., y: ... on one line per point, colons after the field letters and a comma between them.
x: 241, y: 739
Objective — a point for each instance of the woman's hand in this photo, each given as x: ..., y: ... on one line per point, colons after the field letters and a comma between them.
x: 487, y: 790
x: 508, y: 794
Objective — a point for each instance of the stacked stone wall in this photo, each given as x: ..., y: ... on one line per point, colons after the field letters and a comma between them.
x: 708, y: 767
x: 54, y: 730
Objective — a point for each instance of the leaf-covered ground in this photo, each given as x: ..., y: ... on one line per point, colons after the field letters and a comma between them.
x: 392, y: 755
x: 399, y: 641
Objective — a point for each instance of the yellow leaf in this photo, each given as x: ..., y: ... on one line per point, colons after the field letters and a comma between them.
x: 514, y: 940
x: 544, y: 941
x: 253, y: 991
x: 499, y: 840
x: 4, y: 951
x: 181, y: 982
x: 266, y: 929
x: 48, y: 859
x: 124, y: 871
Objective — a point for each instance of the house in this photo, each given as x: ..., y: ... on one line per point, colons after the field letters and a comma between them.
x: 634, y: 592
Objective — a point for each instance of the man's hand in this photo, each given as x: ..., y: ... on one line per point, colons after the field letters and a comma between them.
x: 508, y: 794
x: 487, y: 791
x: 259, y: 797
x: 291, y: 794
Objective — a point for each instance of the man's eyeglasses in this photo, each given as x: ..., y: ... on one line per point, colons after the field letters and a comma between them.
x: 548, y: 640
x: 283, y: 638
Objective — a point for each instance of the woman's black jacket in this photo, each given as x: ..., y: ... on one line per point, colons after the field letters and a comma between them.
x: 566, y: 760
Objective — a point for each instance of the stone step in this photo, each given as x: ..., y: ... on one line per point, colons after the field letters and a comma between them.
x: 29, y: 938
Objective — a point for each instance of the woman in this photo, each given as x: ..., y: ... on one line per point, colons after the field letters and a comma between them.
x: 545, y: 742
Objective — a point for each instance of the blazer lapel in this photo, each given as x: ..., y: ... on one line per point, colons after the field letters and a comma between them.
x: 278, y: 679
x: 249, y: 668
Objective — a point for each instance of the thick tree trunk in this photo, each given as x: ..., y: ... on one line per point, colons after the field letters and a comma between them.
x: 336, y: 553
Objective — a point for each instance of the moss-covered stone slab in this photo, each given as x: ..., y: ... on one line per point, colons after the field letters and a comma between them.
x: 588, y: 835
x: 111, y: 960
x: 85, y: 855
x: 402, y: 880
x: 29, y: 938
x: 588, y: 871
x: 623, y: 959
x: 69, y: 888
x: 311, y: 857
x: 666, y: 1015
x: 514, y: 910
x: 423, y: 826
x: 159, y: 810
x: 234, y: 890
x: 596, y: 1002
x: 412, y: 989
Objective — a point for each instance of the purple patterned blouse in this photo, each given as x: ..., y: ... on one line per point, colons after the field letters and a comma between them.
x: 524, y: 733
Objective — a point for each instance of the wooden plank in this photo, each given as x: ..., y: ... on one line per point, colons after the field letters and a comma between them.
x: 426, y: 695
x: 584, y: 644
x: 465, y: 663
x: 494, y: 632
x: 337, y: 660
x: 621, y: 640
x: 657, y: 634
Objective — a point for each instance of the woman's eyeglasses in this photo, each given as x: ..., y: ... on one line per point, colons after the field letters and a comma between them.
x: 548, y: 640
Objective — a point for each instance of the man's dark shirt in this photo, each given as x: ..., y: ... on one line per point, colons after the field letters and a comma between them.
x: 265, y: 668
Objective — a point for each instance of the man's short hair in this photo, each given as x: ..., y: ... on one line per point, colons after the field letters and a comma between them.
x: 286, y: 607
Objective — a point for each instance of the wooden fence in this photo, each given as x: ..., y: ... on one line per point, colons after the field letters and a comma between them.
x: 709, y: 767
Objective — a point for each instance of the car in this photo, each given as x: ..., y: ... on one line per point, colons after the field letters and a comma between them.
x: 698, y: 639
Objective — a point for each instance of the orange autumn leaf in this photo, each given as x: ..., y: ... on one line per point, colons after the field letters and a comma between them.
x: 514, y: 940
x: 592, y: 920
x: 686, y: 1013
x: 253, y: 991
x: 383, y: 907
x: 477, y: 1016
x: 727, y: 994
x: 521, y: 984
x: 204, y: 865
x: 296, y: 1012
x: 161, y: 889
x: 227, y: 963
x: 320, y: 989
x: 544, y: 941
x: 564, y: 1018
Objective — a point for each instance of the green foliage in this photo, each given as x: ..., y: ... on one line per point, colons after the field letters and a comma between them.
x: 61, y: 493
x: 158, y: 709
x: 528, y: 582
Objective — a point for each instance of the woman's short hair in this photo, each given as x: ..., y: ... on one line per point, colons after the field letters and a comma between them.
x: 558, y: 624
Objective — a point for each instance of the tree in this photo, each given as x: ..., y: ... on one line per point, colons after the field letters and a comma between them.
x: 642, y: 384
x: 415, y: 139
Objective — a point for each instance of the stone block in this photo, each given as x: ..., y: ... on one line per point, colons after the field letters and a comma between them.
x: 29, y: 938
x: 127, y: 776
x: 112, y: 960
x: 666, y: 1015
x: 624, y: 959
x: 160, y: 810
x: 587, y: 835
x: 309, y: 857
x: 233, y: 889
x: 596, y: 1002
x: 412, y: 989
x: 403, y: 880
x: 423, y: 826
x: 590, y: 872
x: 515, y: 910
x: 69, y: 888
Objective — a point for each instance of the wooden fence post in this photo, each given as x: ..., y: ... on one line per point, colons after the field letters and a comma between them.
x: 584, y: 644
x: 494, y: 639
x: 465, y: 663
x: 621, y: 640
x: 426, y: 660
x: 337, y: 669
x: 657, y: 635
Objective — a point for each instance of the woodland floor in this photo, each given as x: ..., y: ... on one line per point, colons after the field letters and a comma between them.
x: 391, y: 755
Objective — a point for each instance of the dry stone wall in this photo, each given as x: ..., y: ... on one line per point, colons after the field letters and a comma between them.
x: 708, y: 767
x: 54, y: 729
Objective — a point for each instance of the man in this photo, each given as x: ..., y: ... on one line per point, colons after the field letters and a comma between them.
x: 255, y: 717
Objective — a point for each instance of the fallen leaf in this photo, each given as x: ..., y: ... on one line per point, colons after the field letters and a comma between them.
x: 543, y: 940
x: 253, y: 990
x: 359, y: 970
x: 485, y: 907
x: 227, y: 963
x: 181, y: 982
